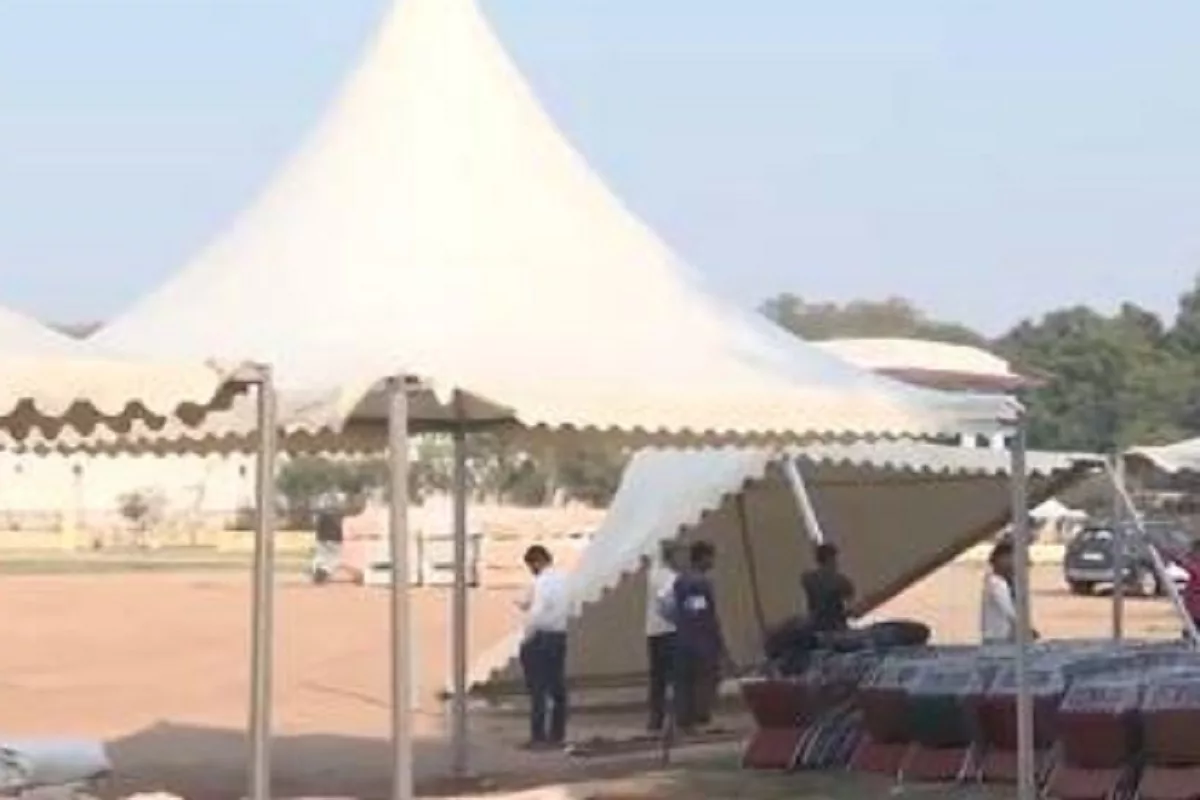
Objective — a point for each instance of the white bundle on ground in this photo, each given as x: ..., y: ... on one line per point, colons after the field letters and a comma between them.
x: 27, y: 763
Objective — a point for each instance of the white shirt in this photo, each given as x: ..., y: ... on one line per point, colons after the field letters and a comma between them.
x: 548, y: 609
x: 660, y: 581
x: 997, y: 614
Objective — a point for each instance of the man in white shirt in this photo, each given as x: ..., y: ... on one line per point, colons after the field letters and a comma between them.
x: 544, y: 650
x: 660, y: 631
x: 997, y: 611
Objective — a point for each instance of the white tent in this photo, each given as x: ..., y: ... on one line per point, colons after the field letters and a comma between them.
x: 54, y: 385
x: 438, y: 225
x: 1181, y: 456
x: 1054, y: 510
x: 896, y: 511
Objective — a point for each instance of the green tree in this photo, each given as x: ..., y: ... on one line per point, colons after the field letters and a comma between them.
x: 892, y: 317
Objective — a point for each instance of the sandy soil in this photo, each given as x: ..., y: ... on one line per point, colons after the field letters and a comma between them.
x: 155, y: 664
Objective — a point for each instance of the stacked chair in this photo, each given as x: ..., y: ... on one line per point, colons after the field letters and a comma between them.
x: 1112, y: 721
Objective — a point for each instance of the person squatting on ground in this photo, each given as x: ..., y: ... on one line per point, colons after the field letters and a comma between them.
x: 660, y: 631
x: 544, y: 650
x: 699, y: 643
x: 327, y: 559
x: 827, y: 592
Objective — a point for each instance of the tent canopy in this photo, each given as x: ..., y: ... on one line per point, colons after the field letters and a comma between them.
x: 437, y: 224
x: 896, y: 511
x: 53, y: 382
x: 1181, y: 456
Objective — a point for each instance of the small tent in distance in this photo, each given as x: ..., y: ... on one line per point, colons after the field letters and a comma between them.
x: 897, y: 512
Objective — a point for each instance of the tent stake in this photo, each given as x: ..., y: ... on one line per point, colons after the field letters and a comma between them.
x: 400, y: 629
x: 1026, y: 780
x: 459, y: 737
x: 262, y: 605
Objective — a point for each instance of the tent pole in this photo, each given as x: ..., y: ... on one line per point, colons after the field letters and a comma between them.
x: 1120, y: 542
x: 262, y: 611
x: 1026, y: 779
x: 760, y: 613
x: 460, y: 744
x: 1138, y: 528
x: 803, y: 500
x: 400, y: 629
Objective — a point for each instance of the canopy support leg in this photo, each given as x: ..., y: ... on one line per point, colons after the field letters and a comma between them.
x: 1120, y: 545
x: 262, y: 612
x: 400, y: 629
x: 760, y: 614
x: 459, y: 735
x: 803, y: 500
x: 1026, y: 779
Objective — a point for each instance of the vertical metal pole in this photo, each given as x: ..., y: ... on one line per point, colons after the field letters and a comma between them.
x: 459, y: 736
x: 400, y: 627
x: 1120, y: 543
x: 262, y: 611
x: 1026, y: 779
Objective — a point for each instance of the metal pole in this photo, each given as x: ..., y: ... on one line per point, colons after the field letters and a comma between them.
x: 262, y: 612
x: 400, y: 629
x: 803, y: 500
x: 459, y: 741
x: 1137, y: 526
x: 1026, y: 779
x: 1120, y: 543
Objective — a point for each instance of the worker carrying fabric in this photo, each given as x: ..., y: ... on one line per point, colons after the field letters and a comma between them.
x: 544, y: 650
x: 660, y: 631
x: 827, y: 592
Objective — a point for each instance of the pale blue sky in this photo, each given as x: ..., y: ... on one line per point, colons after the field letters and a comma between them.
x: 987, y: 159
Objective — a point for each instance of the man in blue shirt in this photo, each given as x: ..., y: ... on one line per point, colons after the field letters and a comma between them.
x: 699, y: 643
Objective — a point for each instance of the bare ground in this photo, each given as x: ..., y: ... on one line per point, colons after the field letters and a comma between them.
x: 155, y: 664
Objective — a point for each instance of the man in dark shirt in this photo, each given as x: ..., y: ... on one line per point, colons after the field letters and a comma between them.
x: 827, y: 592
x: 699, y: 643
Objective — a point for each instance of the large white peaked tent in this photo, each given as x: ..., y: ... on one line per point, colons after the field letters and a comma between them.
x: 896, y: 511
x: 437, y: 224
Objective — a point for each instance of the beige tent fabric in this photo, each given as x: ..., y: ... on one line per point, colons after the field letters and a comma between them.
x: 896, y: 511
x: 438, y: 224
x: 51, y: 383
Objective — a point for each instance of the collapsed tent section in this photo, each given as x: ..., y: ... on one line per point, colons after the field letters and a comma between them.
x: 897, y: 512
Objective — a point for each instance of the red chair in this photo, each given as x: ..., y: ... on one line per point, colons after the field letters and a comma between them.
x: 782, y: 709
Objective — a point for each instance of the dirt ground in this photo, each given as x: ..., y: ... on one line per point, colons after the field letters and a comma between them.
x: 155, y: 664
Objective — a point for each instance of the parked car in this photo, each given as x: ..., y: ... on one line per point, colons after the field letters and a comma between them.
x: 1088, y: 562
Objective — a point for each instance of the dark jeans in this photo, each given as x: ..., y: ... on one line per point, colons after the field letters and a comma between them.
x: 660, y: 651
x: 544, y: 662
x: 697, y: 677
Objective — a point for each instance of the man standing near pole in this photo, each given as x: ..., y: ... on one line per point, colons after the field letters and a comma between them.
x: 544, y: 651
x: 699, y: 642
x: 660, y: 632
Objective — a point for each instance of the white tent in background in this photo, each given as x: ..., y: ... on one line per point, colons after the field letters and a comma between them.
x: 438, y: 225
x: 896, y: 511
x: 1054, y: 509
x: 1181, y: 456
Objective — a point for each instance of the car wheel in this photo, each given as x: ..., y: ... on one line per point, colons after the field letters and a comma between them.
x: 1080, y: 587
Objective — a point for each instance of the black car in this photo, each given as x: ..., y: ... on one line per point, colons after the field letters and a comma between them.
x: 1088, y: 560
